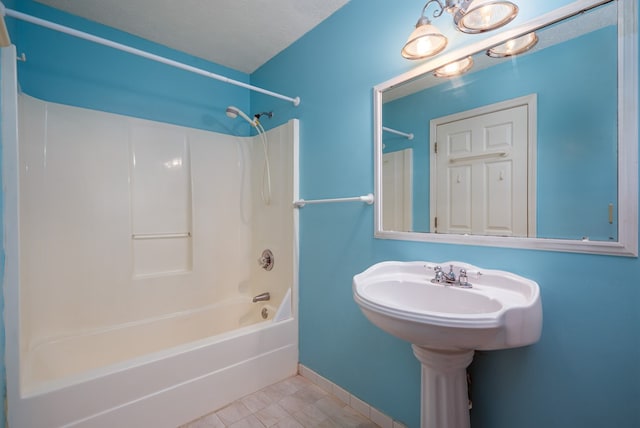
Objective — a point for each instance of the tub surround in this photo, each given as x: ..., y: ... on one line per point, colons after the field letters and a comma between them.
x: 145, y: 308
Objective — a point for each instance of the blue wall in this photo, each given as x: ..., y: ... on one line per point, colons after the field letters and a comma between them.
x: 576, y: 157
x: 68, y: 70
x: 3, y: 383
x: 584, y: 372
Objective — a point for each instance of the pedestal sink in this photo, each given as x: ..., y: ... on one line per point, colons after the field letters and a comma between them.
x: 447, y: 311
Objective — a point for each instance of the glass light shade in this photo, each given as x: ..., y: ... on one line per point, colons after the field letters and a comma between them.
x: 425, y: 41
x: 455, y: 68
x: 478, y: 16
x: 514, y: 46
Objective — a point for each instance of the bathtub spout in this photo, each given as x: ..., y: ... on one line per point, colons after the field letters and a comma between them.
x: 263, y: 297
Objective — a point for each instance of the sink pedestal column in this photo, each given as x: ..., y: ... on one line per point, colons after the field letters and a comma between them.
x: 445, y: 402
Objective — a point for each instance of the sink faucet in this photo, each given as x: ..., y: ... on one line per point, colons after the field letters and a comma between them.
x: 449, y: 278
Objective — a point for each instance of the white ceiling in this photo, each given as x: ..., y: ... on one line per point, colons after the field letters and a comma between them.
x: 240, y: 34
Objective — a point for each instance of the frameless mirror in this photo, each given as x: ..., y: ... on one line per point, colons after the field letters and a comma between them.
x: 532, y: 150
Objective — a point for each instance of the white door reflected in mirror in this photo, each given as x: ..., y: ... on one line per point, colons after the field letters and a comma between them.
x: 482, y: 174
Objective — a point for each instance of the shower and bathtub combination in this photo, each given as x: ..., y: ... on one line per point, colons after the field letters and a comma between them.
x: 136, y: 291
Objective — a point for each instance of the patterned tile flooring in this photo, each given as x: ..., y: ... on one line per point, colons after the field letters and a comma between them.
x: 292, y: 403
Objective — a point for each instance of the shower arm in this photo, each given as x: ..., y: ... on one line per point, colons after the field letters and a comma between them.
x: 4, y: 40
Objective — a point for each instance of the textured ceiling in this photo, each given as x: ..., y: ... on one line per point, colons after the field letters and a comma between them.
x: 240, y: 34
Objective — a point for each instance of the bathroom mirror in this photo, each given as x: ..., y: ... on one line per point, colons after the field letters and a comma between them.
x: 534, y: 150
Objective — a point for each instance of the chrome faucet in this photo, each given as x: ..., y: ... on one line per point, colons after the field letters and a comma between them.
x: 449, y: 278
x: 262, y: 297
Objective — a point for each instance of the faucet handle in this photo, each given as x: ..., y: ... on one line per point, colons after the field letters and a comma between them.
x: 451, y: 276
x: 439, y: 274
x: 463, y: 280
x: 462, y: 277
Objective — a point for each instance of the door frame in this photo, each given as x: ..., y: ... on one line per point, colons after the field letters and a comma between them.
x: 531, y: 101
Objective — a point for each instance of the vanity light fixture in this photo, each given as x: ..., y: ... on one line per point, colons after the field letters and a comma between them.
x: 425, y: 40
x: 479, y: 16
x: 455, y: 68
x: 469, y: 16
x: 514, y: 46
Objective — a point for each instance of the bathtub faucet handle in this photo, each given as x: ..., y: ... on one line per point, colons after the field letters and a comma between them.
x: 266, y: 260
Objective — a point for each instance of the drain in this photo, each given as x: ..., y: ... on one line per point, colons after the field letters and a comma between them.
x: 266, y: 260
x: 265, y: 313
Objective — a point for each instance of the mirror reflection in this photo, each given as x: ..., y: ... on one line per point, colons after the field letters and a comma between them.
x: 522, y: 141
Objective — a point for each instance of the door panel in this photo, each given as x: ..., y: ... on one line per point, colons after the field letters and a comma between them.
x: 482, y: 173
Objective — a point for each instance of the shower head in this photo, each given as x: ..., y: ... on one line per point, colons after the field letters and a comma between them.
x: 269, y: 114
x: 234, y: 112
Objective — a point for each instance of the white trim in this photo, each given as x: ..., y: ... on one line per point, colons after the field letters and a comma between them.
x: 10, y: 172
x: 627, y: 244
x: 628, y: 125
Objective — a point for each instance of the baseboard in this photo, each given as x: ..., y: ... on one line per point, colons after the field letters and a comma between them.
x: 370, y: 412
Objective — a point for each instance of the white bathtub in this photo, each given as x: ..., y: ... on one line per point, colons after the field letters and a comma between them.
x: 76, y: 353
x: 137, y: 375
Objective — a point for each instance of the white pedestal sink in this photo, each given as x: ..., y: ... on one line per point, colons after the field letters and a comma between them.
x: 446, y: 323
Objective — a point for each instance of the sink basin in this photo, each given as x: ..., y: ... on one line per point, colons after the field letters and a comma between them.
x: 446, y: 323
x: 500, y: 310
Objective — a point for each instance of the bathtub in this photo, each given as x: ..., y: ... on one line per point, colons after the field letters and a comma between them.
x: 158, y: 373
x: 146, y: 340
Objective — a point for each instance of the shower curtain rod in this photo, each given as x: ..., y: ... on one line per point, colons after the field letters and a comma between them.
x: 4, y: 41
x: 395, y: 131
x: 368, y: 199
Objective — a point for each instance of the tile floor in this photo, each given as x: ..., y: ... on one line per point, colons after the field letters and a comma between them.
x: 292, y: 403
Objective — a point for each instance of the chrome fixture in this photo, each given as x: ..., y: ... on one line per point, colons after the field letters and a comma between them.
x: 449, y: 278
x: 514, y: 46
x: 469, y: 16
x: 257, y: 116
x: 262, y: 297
x: 455, y: 68
x: 266, y: 260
